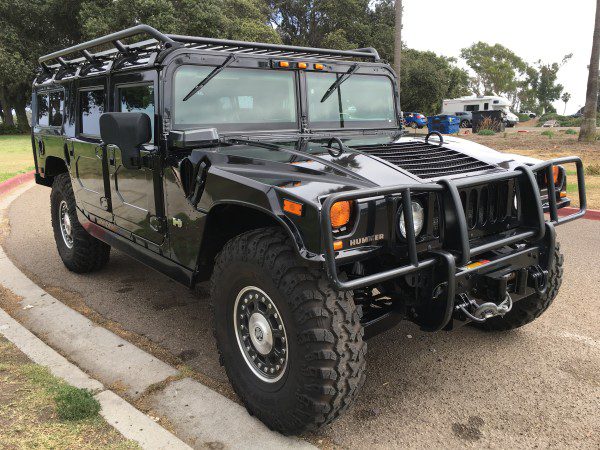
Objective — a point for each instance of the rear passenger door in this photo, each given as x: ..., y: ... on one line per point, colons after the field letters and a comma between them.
x: 134, y: 191
x: 48, y: 122
x: 88, y: 156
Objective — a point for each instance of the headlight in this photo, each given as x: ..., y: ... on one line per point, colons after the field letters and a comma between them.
x: 418, y: 219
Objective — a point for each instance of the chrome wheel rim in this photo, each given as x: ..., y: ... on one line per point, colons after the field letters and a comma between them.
x: 66, y: 226
x: 260, y: 334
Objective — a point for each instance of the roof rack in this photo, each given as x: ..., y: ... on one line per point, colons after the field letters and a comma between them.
x: 81, y: 52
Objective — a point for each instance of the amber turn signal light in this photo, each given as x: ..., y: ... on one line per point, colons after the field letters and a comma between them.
x: 340, y: 214
x: 338, y: 245
x: 293, y: 207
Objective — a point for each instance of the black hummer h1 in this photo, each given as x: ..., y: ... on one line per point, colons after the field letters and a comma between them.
x: 283, y: 175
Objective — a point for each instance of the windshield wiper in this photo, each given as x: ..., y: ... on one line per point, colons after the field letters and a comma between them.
x: 336, y: 84
x: 209, y: 77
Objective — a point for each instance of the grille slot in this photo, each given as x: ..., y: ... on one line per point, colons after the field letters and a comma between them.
x: 426, y: 160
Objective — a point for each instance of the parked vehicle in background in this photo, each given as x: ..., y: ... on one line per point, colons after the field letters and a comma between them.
x: 415, y: 120
x: 551, y: 124
x: 284, y: 176
x: 480, y: 103
x: 579, y: 113
x: 466, y: 118
x: 531, y: 114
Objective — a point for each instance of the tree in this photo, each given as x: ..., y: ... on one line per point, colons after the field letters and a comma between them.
x: 565, y: 98
x: 427, y: 79
x: 496, y: 68
x: 398, y: 38
x: 587, y: 131
x: 547, y: 89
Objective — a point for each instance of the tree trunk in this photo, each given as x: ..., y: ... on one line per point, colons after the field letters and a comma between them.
x: 7, y: 108
x: 20, y: 102
x: 587, y: 132
x: 398, y: 40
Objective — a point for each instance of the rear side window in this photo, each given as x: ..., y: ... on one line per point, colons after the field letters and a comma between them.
x: 91, y: 104
x: 50, y: 106
x: 56, y: 106
x: 139, y: 98
x: 43, y: 113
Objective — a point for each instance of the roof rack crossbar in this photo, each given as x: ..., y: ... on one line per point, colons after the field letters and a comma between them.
x: 110, y: 39
x: 367, y: 53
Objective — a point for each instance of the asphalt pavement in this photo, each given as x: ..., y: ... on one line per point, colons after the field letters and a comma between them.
x: 538, y: 386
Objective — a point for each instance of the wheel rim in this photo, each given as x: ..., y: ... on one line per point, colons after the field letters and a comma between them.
x: 66, y: 226
x: 260, y: 333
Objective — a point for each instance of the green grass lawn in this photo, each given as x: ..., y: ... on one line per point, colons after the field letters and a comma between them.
x: 15, y: 155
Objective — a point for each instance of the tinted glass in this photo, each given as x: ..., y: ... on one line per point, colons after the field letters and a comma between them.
x: 56, y: 107
x: 42, y: 109
x: 137, y: 99
x: 92, y: 106
x: 361, y: 101
x: 236, y: 99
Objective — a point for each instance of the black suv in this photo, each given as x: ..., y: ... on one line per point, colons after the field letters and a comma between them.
x: 282, y: 174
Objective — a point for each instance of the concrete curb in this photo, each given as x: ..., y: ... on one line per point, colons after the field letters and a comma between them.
x: 590, y: 214
x: 13, y: 182
x: 202, y: 417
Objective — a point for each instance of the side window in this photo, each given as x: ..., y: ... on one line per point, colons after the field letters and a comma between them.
x: 472, y: 108
x: 486, y: 106
x: 56, y: 107
x: 91, y: 104
x: 43, y: 113
x: 138, y: 98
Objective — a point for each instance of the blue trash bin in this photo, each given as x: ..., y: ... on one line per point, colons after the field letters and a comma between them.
x: 444, y: 124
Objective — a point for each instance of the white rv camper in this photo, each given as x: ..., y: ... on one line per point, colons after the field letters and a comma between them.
x: 483, y: 103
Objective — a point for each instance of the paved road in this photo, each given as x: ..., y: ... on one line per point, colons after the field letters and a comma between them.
x: 534, y: 387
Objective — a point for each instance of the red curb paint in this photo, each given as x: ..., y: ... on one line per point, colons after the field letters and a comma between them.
x: 13, y: 182
x: 590, y: 214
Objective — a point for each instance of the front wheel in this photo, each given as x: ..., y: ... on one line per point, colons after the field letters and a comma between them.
x: 79, y: 251
x: 291, y: 345
x: 530, y: 308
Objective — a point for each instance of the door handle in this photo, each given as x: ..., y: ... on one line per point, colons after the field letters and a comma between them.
x: 98, y: 151
x: 111, y: 156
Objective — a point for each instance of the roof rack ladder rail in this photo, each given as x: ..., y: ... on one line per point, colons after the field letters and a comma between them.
x: 359, y: 53
x: 110, y: 39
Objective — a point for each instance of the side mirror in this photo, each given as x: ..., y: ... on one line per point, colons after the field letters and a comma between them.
x: 128, y: 131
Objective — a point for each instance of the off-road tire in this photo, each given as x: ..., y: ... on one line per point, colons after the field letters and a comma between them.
x: 530, y: 308
x: 326, y: 358
x: 87, y: 253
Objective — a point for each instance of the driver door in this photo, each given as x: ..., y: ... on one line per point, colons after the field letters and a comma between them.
x: 133, y: 191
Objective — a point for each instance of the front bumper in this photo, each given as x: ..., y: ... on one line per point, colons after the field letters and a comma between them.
x: 456, y: 250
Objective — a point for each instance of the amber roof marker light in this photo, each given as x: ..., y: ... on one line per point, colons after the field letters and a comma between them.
x: 319, y: 66
x: 302, y: 65
x: 283, y: 64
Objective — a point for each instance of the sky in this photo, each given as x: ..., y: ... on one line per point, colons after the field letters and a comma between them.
x: 533, y: 29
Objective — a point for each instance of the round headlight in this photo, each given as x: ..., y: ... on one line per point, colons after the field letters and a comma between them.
x: 418, y: 219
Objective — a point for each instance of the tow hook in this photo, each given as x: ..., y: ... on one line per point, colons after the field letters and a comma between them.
x: 481, y: 313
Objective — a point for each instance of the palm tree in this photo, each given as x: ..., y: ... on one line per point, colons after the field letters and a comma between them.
x: 398, y: 39
x: 565, y: 98
x: 587, y: 132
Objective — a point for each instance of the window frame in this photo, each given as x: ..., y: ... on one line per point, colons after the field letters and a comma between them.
x: 89, y: 88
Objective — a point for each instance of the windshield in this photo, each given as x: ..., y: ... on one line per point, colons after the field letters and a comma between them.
x: 235, y: 99
x: 362, y: 101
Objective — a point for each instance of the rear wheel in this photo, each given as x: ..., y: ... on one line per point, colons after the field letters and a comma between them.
x: 530, y: 308
x: 465, y: 124
x: 79, y: 251
x: 291, y: 345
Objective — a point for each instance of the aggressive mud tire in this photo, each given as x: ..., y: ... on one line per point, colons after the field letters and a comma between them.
x: 79, y: 251
x: 325, y: 364
x: 530, y: 308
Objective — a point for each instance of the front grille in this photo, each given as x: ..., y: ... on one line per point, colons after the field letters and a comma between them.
x: 490, y: 207
x: 425, y: 160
